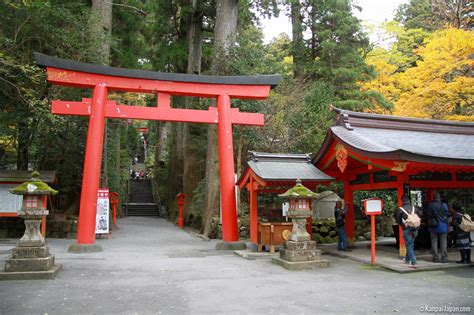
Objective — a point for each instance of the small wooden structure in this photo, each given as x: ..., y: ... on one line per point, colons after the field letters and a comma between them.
x: 379, y: 152
x: 271, y: 173
x: 272, y: 233
x: 9, y: 203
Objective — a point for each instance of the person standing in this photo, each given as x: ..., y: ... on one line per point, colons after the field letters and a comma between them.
x: 437, y: 216
x: 462, y: 239
x: 409, y: 233
x: 340, y: 216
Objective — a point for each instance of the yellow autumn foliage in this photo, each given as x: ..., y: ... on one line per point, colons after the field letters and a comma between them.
x: 440, y: 86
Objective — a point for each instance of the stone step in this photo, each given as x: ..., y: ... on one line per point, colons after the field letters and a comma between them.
x: 142, y: 209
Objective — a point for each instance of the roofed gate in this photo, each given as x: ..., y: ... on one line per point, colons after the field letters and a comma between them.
x: 103, y: 79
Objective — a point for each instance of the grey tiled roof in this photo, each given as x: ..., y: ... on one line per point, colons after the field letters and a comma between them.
x: 285, y: 167
x: 23, y: 176
x: 443, y: 145
x: 403, y: 138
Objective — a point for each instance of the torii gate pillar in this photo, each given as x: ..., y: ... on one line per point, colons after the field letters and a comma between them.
x: 92, y: 163
x: 230, y: 230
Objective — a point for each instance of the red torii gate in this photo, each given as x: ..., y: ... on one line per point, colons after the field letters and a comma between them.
x: 102, y: 79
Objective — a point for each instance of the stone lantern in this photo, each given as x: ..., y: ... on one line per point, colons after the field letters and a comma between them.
x: 31, y: 259
x: 299, y: 250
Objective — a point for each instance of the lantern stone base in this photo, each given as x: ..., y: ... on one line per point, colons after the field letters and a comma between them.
x: 31, y: 275
x: 84, y: 248
x: 300, y: 265
x: 231, y: 245
x: 29, y: 264
x: 300, y: 255
x: 34, y: 262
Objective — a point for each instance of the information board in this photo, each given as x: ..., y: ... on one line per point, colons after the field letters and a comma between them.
x: 102, y: 216
x: 9, y: 203
x: 373, y: 206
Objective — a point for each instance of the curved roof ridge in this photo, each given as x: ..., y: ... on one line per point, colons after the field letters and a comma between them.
x: 359, y: 142
x: 60, y: 63
x: 255, y: 155
x: 350, y: 119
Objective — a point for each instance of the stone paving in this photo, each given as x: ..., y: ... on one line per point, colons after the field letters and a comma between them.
x: 150, y: 266
x: 387, y: 257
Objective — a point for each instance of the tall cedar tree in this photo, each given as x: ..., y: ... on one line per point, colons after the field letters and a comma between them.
x: 224, y: 32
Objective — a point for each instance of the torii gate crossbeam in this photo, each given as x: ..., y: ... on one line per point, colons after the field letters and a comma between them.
x: 104, y: 79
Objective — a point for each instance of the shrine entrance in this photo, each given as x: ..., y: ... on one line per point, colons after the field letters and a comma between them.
x: 103, y: 79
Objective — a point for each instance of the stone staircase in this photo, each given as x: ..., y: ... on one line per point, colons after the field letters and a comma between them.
x: 140, y: 199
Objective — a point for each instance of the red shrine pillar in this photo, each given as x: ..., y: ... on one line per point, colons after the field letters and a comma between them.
x: 350, y: 218
x: 92, y: 162
x: 253, y: 211
x: 230, y: 232
x: 400, y: 192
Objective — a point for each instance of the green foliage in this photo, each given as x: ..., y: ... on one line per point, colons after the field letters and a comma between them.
x: 338, y: 59
x: 417, y: 14
x: 30, y: 134
x: 129, y: 47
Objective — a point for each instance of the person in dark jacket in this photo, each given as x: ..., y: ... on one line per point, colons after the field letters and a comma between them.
x: 437, y: 220
x: 462, y: 239
x: 340, y: 216
x: 409, y: 233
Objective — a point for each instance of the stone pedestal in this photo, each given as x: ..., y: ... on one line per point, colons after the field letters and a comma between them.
x: 299, y: 251
x: 298, y: 255
x: 32, y: 236
x: 31, y: 259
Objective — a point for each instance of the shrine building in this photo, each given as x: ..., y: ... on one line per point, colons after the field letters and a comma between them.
x: 271, y: 173
x: 378, y: 152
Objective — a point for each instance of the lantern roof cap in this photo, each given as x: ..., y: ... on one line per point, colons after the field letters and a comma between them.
x: 33, y: 186
x: 298, y: 192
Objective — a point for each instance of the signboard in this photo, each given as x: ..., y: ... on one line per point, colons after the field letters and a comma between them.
x: 102, y: 216
x: 9, y: 203
x: 373, y: 206
x: 284, y: 209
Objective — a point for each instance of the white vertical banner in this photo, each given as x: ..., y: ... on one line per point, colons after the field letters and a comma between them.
x: 102, y: 215
x: 236, y: 195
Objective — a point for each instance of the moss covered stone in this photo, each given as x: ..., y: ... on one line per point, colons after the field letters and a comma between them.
x: 298, y: 191
x: 34, y: 186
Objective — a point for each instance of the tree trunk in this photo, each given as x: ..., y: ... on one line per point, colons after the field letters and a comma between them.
x: 175, y: 166
x: 161, y: 136
x: 191, y: 173
x: 23, y: 143
x: 314, y: 40
x: 297, y: 42
x: 118, y: 147
x: 100, y: 23
x: 224, y: 33
x: 176, y: 155
x: 101, y: 28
